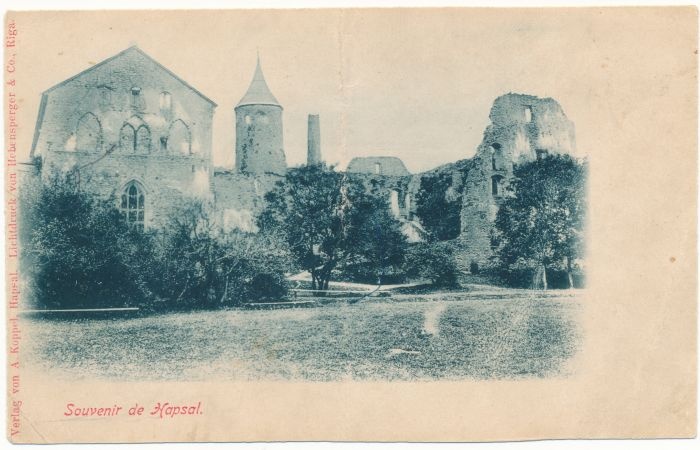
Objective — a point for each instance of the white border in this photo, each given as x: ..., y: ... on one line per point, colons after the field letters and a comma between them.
x: 281, y: 4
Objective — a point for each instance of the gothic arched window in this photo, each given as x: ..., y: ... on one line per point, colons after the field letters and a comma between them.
x: 133, y: 205
x: 88, y: 133
x: 143, y: 140
x: 127, y: 139
x: 179, y: 138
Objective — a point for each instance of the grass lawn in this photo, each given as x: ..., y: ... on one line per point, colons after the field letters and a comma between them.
x: 498, y: 335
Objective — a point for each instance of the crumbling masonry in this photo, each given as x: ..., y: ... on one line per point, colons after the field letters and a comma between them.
x: 130, y: 128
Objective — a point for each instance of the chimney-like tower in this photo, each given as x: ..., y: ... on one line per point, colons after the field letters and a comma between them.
x: 313, y: 156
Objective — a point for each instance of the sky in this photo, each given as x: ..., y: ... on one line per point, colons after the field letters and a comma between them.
x: 416, y: 84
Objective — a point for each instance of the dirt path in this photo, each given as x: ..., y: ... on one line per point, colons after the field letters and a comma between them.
x: 306, y: 276
x: 431, y: 325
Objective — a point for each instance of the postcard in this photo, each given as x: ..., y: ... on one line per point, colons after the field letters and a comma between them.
x: 403, y: 224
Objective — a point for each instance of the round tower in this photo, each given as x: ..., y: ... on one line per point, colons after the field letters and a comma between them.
x: 259, y: 143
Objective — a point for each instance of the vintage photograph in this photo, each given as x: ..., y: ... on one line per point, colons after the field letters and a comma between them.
x: 311, y: 206
x: 139, y: 251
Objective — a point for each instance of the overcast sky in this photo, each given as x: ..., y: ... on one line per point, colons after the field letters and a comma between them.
x: 416, y: 84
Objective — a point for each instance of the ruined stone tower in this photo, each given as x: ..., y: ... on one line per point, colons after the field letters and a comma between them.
x: 523, y: 127
x: 259, y: 142
x: 313, y: 156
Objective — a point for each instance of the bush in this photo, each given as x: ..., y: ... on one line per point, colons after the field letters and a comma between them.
x: 80, y: 253
x: 264, y: 287
x: 204, y: 268
x: 433, y: 261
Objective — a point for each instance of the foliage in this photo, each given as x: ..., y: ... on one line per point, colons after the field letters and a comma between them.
x: 329, y: 221
x: 80, y: 253
x: 539, y: 225
x: 438, y: 206
x: 202, y: 267
x: 433, y: 261
x: 378, y: 244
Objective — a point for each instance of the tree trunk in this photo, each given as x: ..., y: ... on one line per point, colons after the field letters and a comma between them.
x: 325, y: 275
x: 539, y: 280
x: 325, y: 279
x: 223, y: 296
x: 569, y: 273
x: 313, y: 279
x: 544, y: 277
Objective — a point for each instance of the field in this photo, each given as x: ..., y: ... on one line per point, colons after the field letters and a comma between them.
x: 482, y: 334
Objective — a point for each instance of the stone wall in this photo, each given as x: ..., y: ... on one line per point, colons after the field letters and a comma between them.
x: 259, y: 143
x: 525, y: 124
x: 129, y: 120
x: 476, y: 217
x: 522, y: 128
x: 167, y: 181
x: 129, y: 88
x: 397, y: 190
x: 378, y: 165
x: 239, y: 198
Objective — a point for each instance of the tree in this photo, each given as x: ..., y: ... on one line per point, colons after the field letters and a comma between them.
x: 80, y: 252
x: 438, y: 206
x: 328, y: 219
x: 540, y: 223
x: 377, y: 245
x: 188, y: 256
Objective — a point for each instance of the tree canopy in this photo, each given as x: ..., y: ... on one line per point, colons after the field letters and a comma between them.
x: 438, y: 206
x: 329, y: 219
x: 540, y: 223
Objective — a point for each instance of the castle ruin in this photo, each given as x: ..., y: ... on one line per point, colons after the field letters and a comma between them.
x: 132, y: 129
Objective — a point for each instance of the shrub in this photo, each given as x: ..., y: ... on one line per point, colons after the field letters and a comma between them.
x: 80, y: 253
x: 205, y: 268
x: 438, y: 204
x: 433, y: 261
x: 264, y: 287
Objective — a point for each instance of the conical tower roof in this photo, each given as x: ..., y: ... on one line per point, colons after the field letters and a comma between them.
x: 258, y: 93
